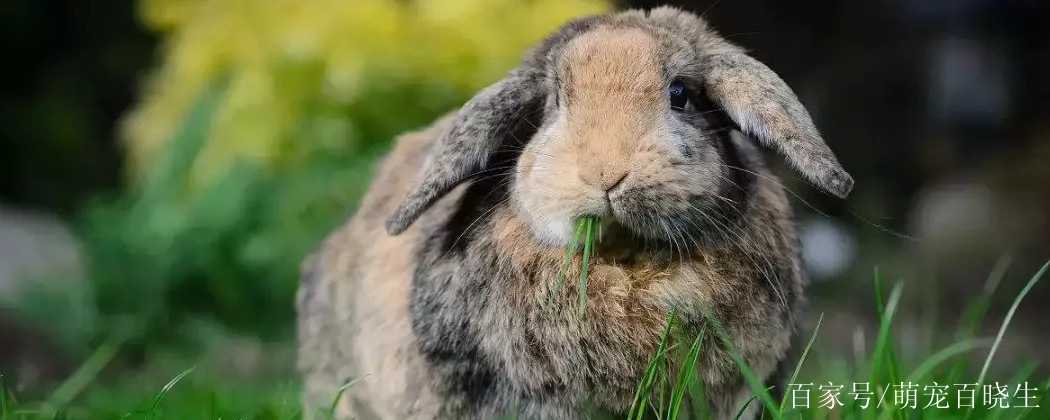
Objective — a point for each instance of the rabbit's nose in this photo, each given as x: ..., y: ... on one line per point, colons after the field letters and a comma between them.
x: 605, y: 178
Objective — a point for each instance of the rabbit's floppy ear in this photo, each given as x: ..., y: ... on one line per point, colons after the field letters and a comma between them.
x: 764, y: 107
x: 469, y: 142
x: 481, y: 125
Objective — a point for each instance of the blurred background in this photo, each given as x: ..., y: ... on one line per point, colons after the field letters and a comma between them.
x: 166, y: 164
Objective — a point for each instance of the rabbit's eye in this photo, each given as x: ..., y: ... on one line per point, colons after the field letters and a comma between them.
x: 679, y: 96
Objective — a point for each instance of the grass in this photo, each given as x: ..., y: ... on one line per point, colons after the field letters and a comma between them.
x: 587, y: 231
x: 660, y: 394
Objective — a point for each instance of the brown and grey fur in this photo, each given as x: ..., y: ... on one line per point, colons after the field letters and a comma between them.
x: 434, y: 293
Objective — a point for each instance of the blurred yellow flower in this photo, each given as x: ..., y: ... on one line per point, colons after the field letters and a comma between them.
x: 297, y: 66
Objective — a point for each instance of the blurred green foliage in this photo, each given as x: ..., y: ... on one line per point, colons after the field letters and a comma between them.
x: 254, y: 138
x: 325, y: 76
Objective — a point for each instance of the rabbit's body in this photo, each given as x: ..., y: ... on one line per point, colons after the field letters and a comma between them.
x: 454, y: 316
x: 477, y: 351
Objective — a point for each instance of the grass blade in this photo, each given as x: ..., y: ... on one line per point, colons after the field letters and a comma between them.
x: 698, y: 399
x: 1006, y: 323
x: 883, y: 348
x: 80, y: 378
x: 1009, y: 316
x: 885, y: 327
x: 588, y: 245
x: 3, y: 400
x: 685, y: 376
x: 744, y: 407
x: 801, y: 360
x: 975, y: 312
x: 661, y: 382
x: 756, y: 384
x: 645, y: 386
x: 339, y: 396
x: 943, y: 355
x: 560, y: 285
x: 164, y: 391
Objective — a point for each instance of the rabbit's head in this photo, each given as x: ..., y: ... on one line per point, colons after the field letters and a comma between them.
x: 626, y: 117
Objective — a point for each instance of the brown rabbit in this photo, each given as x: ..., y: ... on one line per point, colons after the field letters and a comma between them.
x: 436, y: 291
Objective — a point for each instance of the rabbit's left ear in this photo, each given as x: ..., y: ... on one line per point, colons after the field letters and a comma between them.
x: 764, y: 107
x: 469, y: 142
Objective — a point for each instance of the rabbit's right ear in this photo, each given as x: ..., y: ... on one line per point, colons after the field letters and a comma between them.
x: 759, y: 102
x: 469, y: 142
x: 764, y: 107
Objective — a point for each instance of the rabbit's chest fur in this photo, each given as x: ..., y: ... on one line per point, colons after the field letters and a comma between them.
x: 489, y: 318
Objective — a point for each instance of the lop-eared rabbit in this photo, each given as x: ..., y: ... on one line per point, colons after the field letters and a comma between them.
x: 441, y: 293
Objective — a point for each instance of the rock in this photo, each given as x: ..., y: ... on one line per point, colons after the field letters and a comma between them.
x: 35, y: 247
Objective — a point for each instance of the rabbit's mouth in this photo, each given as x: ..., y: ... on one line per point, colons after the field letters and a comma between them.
x: 614, y: 238
x: 616, y: 241
x: 618, y: 244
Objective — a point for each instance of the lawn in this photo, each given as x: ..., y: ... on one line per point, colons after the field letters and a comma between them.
x: 943, y: 384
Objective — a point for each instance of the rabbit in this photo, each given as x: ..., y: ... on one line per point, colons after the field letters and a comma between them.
x: 439, y: 299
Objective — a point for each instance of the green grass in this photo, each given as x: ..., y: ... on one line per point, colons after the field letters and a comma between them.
x: 196, y: 394
x: 587, y: 231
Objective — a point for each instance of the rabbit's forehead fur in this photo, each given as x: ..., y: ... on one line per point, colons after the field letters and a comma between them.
x: 613, y: 88
x: 608, y: 63
x: 664, y: 43
x: 613, y: 82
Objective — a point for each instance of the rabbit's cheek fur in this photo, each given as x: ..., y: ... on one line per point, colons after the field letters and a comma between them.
x: 666, y: 197
x: 546, y: 193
